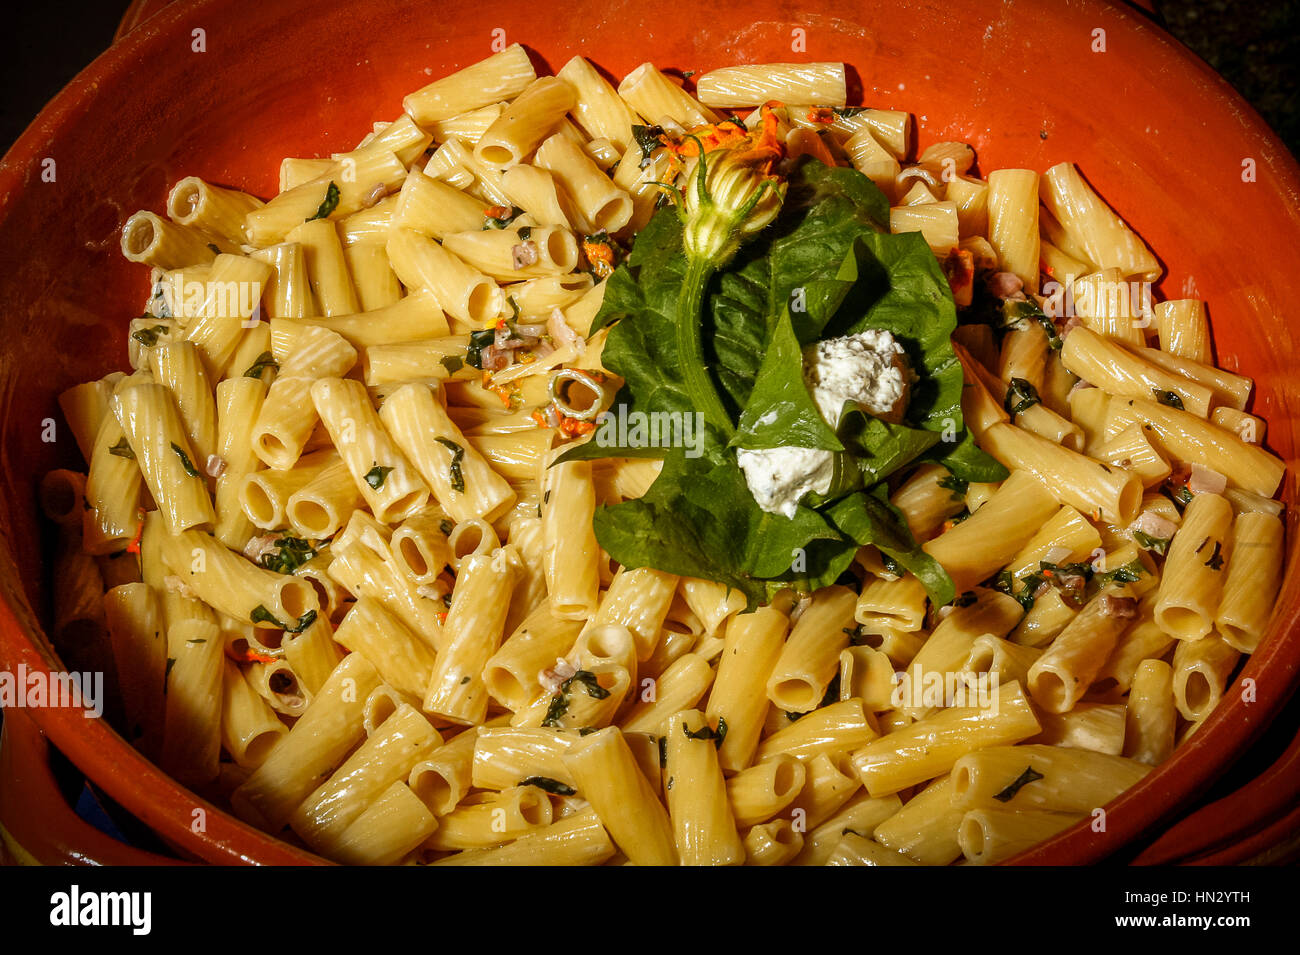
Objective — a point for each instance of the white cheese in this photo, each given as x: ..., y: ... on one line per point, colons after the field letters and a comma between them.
x: 863, y: 368
x: 779, y: 477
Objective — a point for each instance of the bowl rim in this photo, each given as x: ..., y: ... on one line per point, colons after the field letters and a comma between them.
x: 165, y: 805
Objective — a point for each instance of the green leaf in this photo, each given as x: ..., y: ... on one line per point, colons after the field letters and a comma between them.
x: 781, y: 411
x: 122, y: 449
x: 967, y: 461
x: 866, y: 518
x: 264, y: 361
x: 376, y: 476
x: 454, y: 474
x: 148, y: 337
x: 547, y: 784
x: 328, y: 204
x: 185, y: 460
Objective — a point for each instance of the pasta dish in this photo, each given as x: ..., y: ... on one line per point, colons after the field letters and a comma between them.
x: 578, y: 473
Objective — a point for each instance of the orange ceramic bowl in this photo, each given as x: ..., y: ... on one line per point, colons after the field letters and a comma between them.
x: 1029, y: 84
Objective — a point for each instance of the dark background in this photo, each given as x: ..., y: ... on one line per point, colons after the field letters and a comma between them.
x: 1253, y: 45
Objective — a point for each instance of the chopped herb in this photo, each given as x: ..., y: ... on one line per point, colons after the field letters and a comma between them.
x: 1158, y: 544
x: 499, y: 217
x: 464, y: 681
x: 707, y: 732
x: 453, y: 363
x: 453, y: 470
x: 1028, y: 776
x: 1169, y: 398
x: 197, y: 640
x: 586, y: 730
x: 264, y: 361
x: 305, y: 621
x: 1015, y: 313
x: 647, y: 137
x: 525, y: 233
x: 329, y: 205
x: 167, y: 673
x: 547, y: 784
x: 148, y: 337
x: 376, y: 476
x: 613, y: 169
x: 261, y: 615
x: 956, y: 485
x: 1216, y: 559
x: 122, y: 449
x: 292, y: 553
x: 848, y: 112
x: 546, y: 497
x: 964, y: 600
x: 1124, y: 574
x: 892, y: 567
x: 560, y: 702
x: 589, y: 683
x: 446, y: 526
x: 663, y: 751
x: 185, y: 460
x: 478, y: 341
x: 1021, y: 396
x: 851, y: 631
x: 213, y: 247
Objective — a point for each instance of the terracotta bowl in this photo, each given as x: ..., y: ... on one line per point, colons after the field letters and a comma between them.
x: 1029, y: 84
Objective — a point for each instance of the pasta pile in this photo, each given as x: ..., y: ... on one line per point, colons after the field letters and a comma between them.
x: 345, y: 593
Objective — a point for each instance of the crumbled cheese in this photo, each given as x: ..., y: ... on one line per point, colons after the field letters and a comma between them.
x: 779, y: 477
x: 865, y: 368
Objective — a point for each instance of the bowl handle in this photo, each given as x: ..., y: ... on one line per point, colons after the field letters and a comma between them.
x: 1258, y: 824
x: 37, y: 826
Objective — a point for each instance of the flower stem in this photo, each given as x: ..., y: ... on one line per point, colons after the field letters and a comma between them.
x: 690, y: 345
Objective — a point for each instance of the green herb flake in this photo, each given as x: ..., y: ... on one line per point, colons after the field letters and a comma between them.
x: 848, y: 112
x: 185, y: 460
x: 1021, y: 396
x: 453, y: 363
x: 1124, y: 574
x: 122, y: 449
x: 260, y: 614
x: 1216, y: 559
x: 148, y: 337
x: 1024, y: 779
x: 264, y: 361
x: 457, y: 479
x: 167, y: 673
x: 291, y: 553
x: 305, y: 621
x: 327, y: 207
x: 547, y: 784
x: 1158, y: 544
x: 956, y: 485
x: 376, y: 476
x: 446, y: 526
x: 525, y: 233
x: 479, y: 340
x: 708, y: 732
x: 1169, y: 398
x: 647, y: 137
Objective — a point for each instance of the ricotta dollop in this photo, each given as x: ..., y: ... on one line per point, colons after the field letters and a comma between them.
x: 865, y: 368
